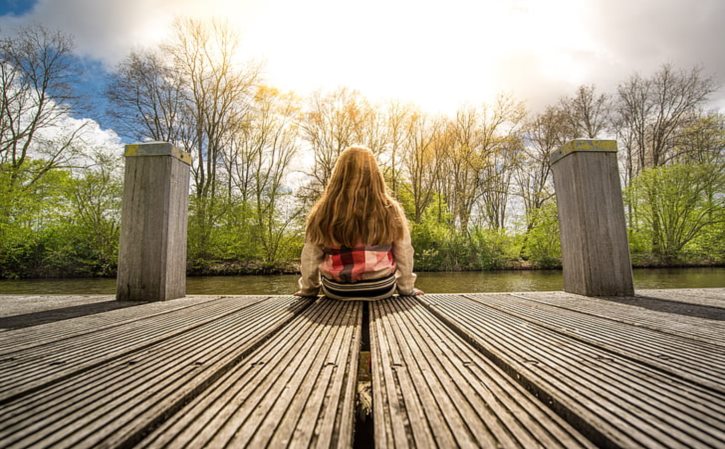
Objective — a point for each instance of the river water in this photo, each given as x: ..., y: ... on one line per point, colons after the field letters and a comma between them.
x: 487, y: 281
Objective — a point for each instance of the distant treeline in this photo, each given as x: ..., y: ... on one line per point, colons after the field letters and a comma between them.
x: 476, y: 186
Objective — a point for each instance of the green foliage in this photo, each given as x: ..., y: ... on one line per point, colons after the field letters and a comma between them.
x: 709, y: 244
x: 95, y: 203
x: 495, y: 248
x: 640, y: 244
x: 405, y: 198
x: 234, y: 240
x: 26, y: 215
x: 67, y: 224
x: 210, y: 241
x: 542, y: 241
x: 440, y: 247
x: 60, y: 225
x: 678, y: 211
x: 431, y: 239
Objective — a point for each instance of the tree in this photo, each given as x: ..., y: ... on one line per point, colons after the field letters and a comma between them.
x: 651, y: 113
x: 276, y: 129
x: 586, y: 113
x: 702, y: 141
x: 219, y: 99
x: 464, y: 166
x: 422, y: 151
x: 37, y: 139
x: 36, y: 96
x: 194, y: 94
x: 654, y: 110
x: 95, y: 212
x: 498, y: 175
x: 484, y: 142
x: 676, y: 197
x: 149, y: 99
x: 395, y: 125
x: 543, y: 134
x: 543, y: 246
x: 330, y: 124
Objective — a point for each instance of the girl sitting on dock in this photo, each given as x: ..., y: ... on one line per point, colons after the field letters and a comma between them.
x: 357, y: 243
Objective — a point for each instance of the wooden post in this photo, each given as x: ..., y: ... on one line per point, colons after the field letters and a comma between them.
x: 152, y: 253
x: 595, y: 252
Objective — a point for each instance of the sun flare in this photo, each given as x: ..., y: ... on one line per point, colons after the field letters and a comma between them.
x: 435, y: 55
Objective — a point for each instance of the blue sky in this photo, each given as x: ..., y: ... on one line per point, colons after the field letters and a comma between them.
x: 91, y: 85
x: 92, y: 77
x: 16, y: 7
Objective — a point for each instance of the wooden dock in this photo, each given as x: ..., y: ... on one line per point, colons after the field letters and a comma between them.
x: 503, y: 370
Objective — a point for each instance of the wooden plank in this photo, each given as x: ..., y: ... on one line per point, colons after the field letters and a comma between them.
x: 696, y: 361
x: 24, y: 370
x: 23, y: 339
x: 296, y: 390
x: 633, y: 313
x: 11, y: 305
x: 116, y: 403
x: 432, y: 389
x: 613, y: 400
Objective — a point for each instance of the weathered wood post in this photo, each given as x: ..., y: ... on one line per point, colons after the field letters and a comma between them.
x: 595, y: 252
x: 152, y: 253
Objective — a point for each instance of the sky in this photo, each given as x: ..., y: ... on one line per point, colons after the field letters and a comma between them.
x: 439, y: 55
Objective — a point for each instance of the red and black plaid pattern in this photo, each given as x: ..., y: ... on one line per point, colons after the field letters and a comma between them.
x: 359, y: 263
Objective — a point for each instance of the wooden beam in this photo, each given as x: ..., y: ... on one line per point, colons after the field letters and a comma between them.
x: 152, y: 253
x: 594, y: 248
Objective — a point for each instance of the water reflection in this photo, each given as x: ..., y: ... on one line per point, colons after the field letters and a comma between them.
x: 488, y: 281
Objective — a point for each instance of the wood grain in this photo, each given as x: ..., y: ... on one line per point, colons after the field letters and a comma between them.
x: 432, y: 389
x: 595, y: 252
x: 152, y: 248
x: 614, y: 400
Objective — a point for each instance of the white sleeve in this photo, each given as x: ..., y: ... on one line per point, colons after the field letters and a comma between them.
x: 403, y: 252
x: 309, y: 282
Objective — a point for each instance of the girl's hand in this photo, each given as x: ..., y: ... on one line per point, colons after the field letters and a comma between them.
x: 418, y: 292
x: 301, y: 295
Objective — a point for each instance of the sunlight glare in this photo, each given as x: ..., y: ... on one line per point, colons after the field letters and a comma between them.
x: 438, y: 55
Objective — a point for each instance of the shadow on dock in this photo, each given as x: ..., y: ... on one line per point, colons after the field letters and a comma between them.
x: 671, y: 306
x: 63, y: 313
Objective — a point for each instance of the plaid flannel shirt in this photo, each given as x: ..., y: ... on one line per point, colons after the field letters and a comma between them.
x: 356, y: 264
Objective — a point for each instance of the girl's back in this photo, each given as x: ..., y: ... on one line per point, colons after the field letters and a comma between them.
x: 357, y: 236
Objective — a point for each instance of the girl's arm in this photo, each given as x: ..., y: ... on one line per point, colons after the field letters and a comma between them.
x: 309, y: 282
x: 403, y: 253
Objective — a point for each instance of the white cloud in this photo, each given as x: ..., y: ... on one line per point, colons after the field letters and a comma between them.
x: 90, y: 142
x: 437, y: 54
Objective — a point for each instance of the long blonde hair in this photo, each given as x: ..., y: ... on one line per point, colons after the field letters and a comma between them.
x: 355, y: 207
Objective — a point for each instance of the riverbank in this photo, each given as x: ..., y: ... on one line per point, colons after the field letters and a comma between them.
x: 430, y: 282
x: 252, y: 268
x: 234, y: 268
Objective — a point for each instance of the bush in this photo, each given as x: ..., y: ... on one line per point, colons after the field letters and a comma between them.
x: 495, y: 248
x: 440, y: 247
x: 543, y: 246
x: 679, y: 208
